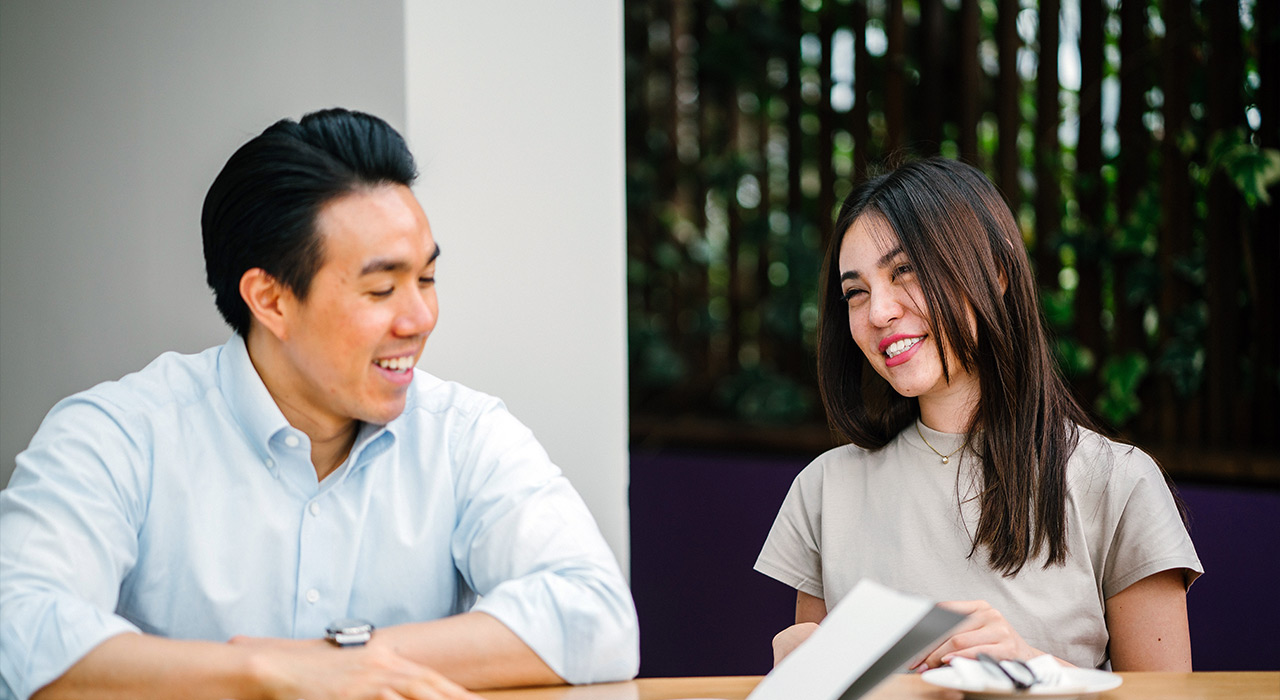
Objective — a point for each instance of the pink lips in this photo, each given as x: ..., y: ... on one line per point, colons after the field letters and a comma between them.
x: 903, y: 356
x: 884, y: 344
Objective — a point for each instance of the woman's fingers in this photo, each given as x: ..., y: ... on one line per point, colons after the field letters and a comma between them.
x: 788, y: 639
x: 983, y: 630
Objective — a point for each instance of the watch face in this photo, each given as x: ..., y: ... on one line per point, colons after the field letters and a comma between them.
x: 349, y: 632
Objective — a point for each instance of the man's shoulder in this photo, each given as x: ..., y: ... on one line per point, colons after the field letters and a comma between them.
x: 171, y: 379
x: 430, y: 395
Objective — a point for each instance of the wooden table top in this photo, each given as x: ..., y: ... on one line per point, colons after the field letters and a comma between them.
x: 1243, y: 685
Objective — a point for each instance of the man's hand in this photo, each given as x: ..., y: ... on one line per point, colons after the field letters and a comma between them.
x: 144, y: 667
x: 314, y: 670
x: 984, y: 630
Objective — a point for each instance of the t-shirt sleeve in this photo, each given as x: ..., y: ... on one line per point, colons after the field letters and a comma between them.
x: 792, y: 552
x: 1149, y: 534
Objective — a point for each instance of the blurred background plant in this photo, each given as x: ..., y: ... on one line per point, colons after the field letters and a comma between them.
x: 1136, y: 142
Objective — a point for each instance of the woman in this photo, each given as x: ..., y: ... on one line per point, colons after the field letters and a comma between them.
x: 972, y: 478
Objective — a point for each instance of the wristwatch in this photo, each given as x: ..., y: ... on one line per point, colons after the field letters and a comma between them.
x: 349, y: 632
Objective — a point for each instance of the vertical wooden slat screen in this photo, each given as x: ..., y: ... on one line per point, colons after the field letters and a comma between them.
x: 1266, y: 242
x: 1008, y: 96
x: 1175, y: 417
x: 1090, y: 196
x: 1048, y: 199
x: 1224, y: 270
x: 861, y: 126
x: 748, y: 119
x: 971, y: 84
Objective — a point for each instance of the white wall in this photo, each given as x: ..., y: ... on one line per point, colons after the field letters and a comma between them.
x: 115, y: 117
x: 515, y: 116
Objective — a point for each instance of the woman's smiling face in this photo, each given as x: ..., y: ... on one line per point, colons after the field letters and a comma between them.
x: 888, y: 316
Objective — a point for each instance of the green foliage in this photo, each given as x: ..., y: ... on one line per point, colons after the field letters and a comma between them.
x: 1252, y: 169
x: 1121, y: 375
x: 1183, y: 358
x: 655, y: 363
x: 1078, y: 361
x: 760, y: 395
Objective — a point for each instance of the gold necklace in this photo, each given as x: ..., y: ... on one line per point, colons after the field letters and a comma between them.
x: 945, y: 458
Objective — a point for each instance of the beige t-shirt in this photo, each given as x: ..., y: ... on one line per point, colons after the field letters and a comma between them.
x: 894, y: 516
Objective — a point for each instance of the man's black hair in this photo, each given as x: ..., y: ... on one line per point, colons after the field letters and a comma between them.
x: 261, y: 209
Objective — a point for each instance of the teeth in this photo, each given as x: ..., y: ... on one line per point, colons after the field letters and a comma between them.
x: 901, y: 346
x: 397, y: 364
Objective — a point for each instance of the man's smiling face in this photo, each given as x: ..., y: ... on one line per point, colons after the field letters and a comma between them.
x: 352, y: 343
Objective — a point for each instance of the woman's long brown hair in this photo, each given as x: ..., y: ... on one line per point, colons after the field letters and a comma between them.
x: 969, y: 258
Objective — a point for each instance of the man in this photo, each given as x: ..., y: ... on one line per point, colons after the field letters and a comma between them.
x: 303, y: 491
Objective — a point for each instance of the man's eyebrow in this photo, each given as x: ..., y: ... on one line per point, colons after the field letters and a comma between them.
x: 882, y: 262
x: 391, y: 265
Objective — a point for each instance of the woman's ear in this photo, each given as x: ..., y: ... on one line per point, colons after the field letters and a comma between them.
x: 267, y: 300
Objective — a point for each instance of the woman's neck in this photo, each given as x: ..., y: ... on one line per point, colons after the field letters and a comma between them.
x: 950, y: 411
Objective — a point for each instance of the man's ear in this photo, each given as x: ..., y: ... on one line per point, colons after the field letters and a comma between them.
x: 267, y: 299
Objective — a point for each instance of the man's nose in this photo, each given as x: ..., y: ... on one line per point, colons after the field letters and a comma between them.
x: 418, y: 315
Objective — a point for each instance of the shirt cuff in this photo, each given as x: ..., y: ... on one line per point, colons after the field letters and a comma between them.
x: 585, y: 630
x: 41, y: 640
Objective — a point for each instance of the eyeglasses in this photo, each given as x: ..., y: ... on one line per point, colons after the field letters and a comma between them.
x: 1018, y: 672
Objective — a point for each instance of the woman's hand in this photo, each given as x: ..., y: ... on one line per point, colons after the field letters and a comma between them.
x: 810, y: 611
x: 984, y: 630
x: 788, y: 639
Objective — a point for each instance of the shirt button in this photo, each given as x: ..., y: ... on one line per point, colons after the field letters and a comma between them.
x: 269, y: 462
x: 313, y: 595
x: 314, y: 508
x: 291, y: 440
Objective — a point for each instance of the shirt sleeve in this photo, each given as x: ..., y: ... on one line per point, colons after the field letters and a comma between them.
x: 792, y: 553
x: 527, y: 544
x: 1149, y: 535
x: 68, y: 537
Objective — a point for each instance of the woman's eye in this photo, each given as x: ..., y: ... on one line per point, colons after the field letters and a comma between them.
x: 903, y: 269
x: 850, y: 295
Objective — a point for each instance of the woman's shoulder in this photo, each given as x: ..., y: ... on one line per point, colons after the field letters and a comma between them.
x: 1098, y: 459
x: 851, y: 455
x: 849, y: 461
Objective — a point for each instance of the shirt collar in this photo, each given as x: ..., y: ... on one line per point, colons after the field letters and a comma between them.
x: 251, y: 404
x: 258, y: 414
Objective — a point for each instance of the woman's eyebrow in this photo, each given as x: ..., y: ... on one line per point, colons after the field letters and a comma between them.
x: 889, y: 256
x: 882, y: 262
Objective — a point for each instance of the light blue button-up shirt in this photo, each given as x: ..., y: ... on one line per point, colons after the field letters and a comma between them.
x: 178, y: 501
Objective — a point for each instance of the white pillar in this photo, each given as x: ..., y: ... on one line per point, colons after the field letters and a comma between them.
x: 515, y: 115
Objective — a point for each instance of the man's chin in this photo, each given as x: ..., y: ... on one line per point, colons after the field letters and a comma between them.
x: 381, y: 415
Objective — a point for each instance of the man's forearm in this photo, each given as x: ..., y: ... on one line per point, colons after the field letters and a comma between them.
x: 473, y: 649
x: 142, y: 666
x: 138, y: 666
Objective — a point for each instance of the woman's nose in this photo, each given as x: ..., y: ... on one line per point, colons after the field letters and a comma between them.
x: 885, y: 308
